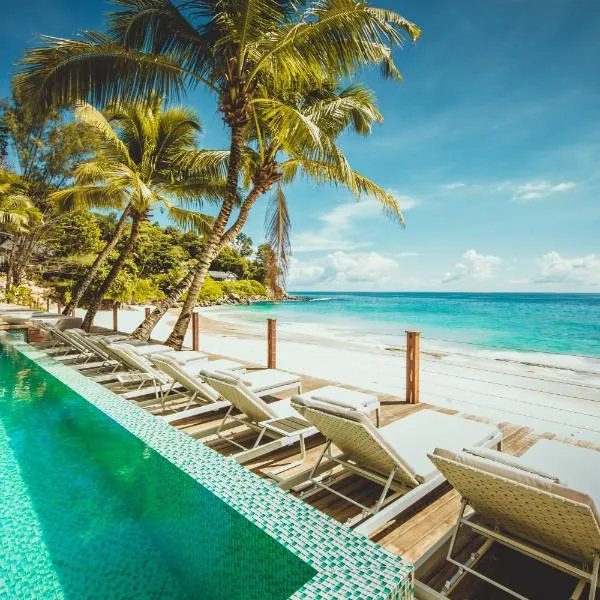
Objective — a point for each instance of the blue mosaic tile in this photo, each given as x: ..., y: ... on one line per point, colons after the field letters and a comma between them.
x: 348, y: 565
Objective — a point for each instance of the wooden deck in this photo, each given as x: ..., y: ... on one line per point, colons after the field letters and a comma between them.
x: 413, y: 533
x: 410, y: 535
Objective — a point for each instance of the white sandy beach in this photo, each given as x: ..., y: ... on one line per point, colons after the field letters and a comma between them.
x: 562, y: 397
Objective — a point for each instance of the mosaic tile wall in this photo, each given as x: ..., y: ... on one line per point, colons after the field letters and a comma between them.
x: 348, y: 565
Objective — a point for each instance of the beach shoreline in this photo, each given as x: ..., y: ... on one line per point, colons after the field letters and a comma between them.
x: 549, y: 399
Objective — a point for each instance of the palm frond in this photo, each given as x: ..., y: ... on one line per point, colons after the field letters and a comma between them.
x: 278, y: 226
x: 190, y: 220
x: 209, y: 163
x: 158, y: 27
x: 95, y: 70
x: 334, y: 38
x: 94, y: 118
x: 89, y: 196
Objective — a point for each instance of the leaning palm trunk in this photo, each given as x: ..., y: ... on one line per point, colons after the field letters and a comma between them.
x: 144, y: 331
x: 84, y: 284
x: 175, y: 340
x: 261, y: 185
x: 112, y: 275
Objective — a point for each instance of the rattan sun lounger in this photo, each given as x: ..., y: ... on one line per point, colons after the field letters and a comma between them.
x: 277, y: 421
x: 196, y: 389
x: 543, y: 504
x: 394, y: 456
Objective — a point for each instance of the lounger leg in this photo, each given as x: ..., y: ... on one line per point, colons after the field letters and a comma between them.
x: 463, y: 506
x: 576, y: 595
x: 321, y: 456
x: 594, y: 581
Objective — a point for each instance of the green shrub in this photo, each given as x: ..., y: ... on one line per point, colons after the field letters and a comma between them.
x: 211, y: 290
x: 20, y: 294
x: 244, y: 288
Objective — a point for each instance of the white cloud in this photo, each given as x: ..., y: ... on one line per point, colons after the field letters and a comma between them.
x: 579, y: 270
x: 473, y: 266
x: 539, y: 189
x: 343, y: 269
x: 338, y: 226
x: 455, y: 185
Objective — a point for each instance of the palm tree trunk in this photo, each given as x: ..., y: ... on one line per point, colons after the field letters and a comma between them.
x: 175, y: 340
x: 261, y: 185
x: 213, y: 246
x: 9, y: 274
x: 144, y: 331
x: 84, y: 284
x: 112, y: 275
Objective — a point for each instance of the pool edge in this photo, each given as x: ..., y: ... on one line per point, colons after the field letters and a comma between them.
x: 348, y: 565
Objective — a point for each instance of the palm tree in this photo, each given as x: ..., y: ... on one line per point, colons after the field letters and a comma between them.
x: 147, y: 157
x: 243, y: 50
x: 299, y: 137
x: 17, y: 211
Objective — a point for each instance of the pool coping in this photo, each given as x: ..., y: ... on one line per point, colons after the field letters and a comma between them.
x: 347, y: 564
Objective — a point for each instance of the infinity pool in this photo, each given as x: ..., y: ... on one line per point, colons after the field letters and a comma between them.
x: 88, y: 510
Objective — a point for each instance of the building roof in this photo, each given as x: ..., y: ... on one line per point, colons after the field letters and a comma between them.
x: 221, y: 275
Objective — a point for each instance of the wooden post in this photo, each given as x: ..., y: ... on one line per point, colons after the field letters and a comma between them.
x: 272, y: 343
x: 58, y: 307
x: 195, y: 331
x: 47, y: 304
x: 413, y: 343
x: 73, y: 312
x: 115, y: 317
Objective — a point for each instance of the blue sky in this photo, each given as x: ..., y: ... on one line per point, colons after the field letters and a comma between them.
x: 492, y: 145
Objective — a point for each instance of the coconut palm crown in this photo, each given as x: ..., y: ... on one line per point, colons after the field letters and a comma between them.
x: 147, y: 160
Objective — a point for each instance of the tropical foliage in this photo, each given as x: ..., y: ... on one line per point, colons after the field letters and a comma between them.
x: 146, y: 157
x: 40, y: 151
x: 275, y: 67
x: 161, y: 257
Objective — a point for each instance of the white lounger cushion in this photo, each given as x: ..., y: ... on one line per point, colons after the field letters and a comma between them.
x: 210, y: 366
x: 185, y: 357
x: 265, y: 379
x: 283, y: 409
x: 413, y: 437
x: 343, y: 397
x: 145, y: 349
x: 575, y: 467
x: 403, y: 444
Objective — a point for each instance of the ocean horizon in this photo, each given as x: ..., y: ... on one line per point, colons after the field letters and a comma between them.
x: 529, y: 322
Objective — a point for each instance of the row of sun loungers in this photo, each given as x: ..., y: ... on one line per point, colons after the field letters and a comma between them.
x: 544, y: 504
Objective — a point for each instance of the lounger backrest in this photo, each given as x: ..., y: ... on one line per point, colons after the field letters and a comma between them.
x: 241, y: 397
x: 90, y: 344
x: 108, y: 348
x: 66, y: 323
x: 68, y: 339
x: 541, y: 511
x: 191, y: 384
x: 355, y: 435
x: 135, y: 362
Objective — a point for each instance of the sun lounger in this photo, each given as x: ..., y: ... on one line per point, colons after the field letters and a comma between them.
x: 276, y: 421
x: 394, y: 456
x: 182, y: 357
x: 197, y: 390
x: 143, y: 371
x: 544, y: 504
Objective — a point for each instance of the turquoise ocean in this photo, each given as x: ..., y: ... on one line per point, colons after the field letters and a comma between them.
x: 524, y: 322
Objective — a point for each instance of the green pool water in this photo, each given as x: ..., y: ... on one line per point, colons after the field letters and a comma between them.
x: 89, y: 511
